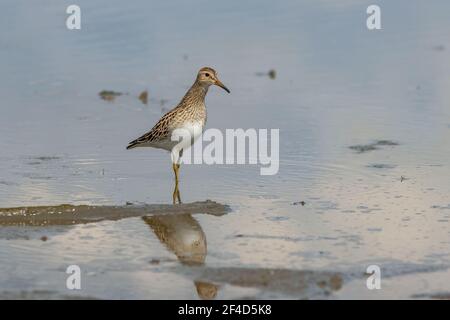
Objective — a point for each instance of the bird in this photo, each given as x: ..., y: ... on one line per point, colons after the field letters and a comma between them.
x: 189, y: 115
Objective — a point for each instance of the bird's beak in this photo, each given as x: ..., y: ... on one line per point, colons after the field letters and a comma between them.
x: 220, y: 84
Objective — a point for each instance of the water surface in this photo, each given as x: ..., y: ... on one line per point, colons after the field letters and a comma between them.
x: 337, y: 85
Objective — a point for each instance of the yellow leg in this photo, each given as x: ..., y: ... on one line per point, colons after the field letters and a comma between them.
x: 176, y: 191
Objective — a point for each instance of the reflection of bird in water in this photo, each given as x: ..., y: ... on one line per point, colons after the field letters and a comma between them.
x: 206, y: 290
x: 189, y: 115
x: 182, y: 235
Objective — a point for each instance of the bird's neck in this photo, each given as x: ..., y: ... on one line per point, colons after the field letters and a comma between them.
x: 195, y: 95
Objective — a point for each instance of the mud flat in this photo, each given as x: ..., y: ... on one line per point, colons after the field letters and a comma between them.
x: 67, y: 214
x: 40, y: 295
x: 303, y: 284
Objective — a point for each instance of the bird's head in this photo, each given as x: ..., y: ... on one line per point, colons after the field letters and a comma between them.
x: 208, y: 76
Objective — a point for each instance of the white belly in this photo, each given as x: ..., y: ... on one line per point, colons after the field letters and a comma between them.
x: 195, y: 130
x: 187, y: 135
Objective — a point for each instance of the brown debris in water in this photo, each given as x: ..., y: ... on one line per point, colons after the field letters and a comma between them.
x: 272, y: 74
x: 67, y: 214
x: 144, y: 97
x: 109, y: 95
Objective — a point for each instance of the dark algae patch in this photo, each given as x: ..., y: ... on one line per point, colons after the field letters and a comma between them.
x: 109, y: 95
x: 381, y: 166
x: 386, y: 143
x: 46, y: 158
x: 363, y: 148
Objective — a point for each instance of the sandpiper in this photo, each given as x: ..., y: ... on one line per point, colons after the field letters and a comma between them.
x: 189, y: 114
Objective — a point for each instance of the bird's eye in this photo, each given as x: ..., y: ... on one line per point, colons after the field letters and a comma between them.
x: 206, y: 74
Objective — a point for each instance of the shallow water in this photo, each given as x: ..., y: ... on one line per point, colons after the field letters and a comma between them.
x: 337, y: 85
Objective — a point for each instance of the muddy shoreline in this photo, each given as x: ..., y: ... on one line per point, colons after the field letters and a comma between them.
x: 67, y: 214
